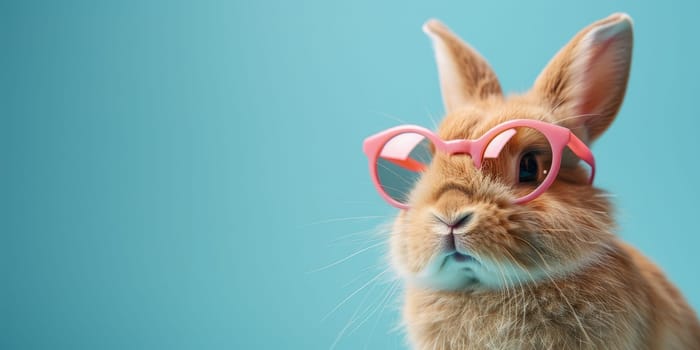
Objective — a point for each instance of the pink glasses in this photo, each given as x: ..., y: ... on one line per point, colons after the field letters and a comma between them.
x: 398, y: 156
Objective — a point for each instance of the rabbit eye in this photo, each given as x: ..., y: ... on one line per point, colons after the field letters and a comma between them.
x: 529, y: 168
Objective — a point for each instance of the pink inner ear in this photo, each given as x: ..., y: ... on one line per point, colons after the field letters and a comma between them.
x: 400, y: 147
x: 603, y: 64
x: 496, y: 145
x: 600, y: 76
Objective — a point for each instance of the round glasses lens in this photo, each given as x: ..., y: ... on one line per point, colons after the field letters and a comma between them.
x: 400, y: 163
x: 520, y: 157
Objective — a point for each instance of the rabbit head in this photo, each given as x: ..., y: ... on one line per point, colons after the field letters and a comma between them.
x: 463, y: 231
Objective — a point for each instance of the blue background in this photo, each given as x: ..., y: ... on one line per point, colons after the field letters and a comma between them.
x: 173, y: 172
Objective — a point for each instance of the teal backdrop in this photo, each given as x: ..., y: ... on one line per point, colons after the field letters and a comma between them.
x: 189, y: 175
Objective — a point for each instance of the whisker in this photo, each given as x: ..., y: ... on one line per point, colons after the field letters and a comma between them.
x: 561, y: 102
x: 522, y: 287
x: 408, y: 182
x: 506, y: 283
x: 347, y: 257
x: 578, y: 116
x: 573, y: 233
x: 350, y: 218
x: 376, y: 308
x: 394, y: 288
x: 430, y: 116
x: 362, y: 273
x: 397, y: 190
x: 358, y: 233
x: 354, y: 293
x: 355, y: 241
x: 355, y: 202
x: 561, y: 293
x: 352, y: 319
x: 391, y: 116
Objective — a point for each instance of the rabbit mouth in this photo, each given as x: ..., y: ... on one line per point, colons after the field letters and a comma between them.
x: 452, y: 270
x: 459, y: 257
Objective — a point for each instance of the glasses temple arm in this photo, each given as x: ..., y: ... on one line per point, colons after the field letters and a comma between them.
x: 582, y: 151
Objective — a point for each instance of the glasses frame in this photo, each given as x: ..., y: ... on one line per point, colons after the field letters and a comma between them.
x: 557, y: 136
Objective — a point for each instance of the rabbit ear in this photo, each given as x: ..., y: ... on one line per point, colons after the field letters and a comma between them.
x: 464, y: 74
x: 587, y: 79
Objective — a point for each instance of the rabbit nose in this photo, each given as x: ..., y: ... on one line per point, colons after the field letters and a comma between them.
x: 456, y: 221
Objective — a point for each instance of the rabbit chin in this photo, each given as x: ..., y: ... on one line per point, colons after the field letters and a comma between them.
x: 462, y: 272
x: 446, y: 272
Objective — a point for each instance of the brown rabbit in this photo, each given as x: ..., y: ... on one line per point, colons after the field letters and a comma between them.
x: 484, y: 273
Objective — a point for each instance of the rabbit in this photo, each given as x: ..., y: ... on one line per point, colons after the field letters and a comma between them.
x: 546, y: 274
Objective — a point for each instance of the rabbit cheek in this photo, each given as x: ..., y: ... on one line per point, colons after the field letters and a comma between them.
x: 412, y: 245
